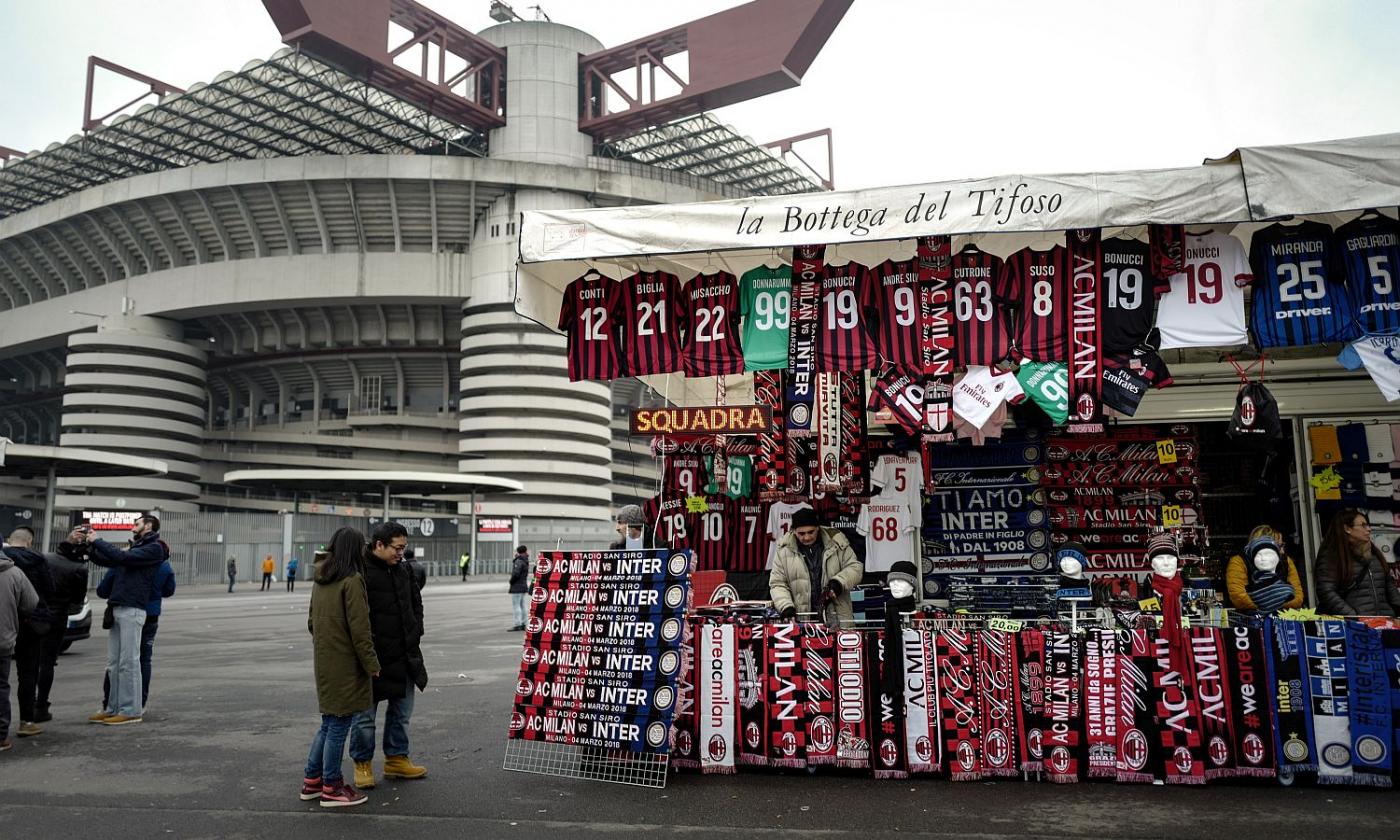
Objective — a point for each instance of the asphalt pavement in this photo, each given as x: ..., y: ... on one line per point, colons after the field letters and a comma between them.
x: 233, y: 710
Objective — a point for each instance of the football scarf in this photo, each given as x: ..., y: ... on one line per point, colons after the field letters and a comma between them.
x: 853, y: 736
x: 1390, y: 650
x: 853, y: 472
x: 1294, y: 733
x: 1370, y: 706
x: 1137, y: 674
x: 808, y: 262
x: 885, y: 689
x: 1249, y: 702
x: 958, y: 713
x: 1101, y: 702
x: 996, y: 685
x: 1085, y: 327
x: 1030, y: 722
x: 920, y: 696
x: 1324, y: 649
x: 770, y: 462
x: 817, y: 664
x: 828, y: 475
x: 938, y: 411
x: 1062, y: 707
x: 684, y: 734
x: 1178, y: 715
x: 1166, y: 251
x: 935, y: 255
x: 787, y: 697
x: 753, y: 712
x: 1217, y: 724
x: 715, y: 684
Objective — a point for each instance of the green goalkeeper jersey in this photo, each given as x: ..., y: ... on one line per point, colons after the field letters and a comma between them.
x: 765, y: 302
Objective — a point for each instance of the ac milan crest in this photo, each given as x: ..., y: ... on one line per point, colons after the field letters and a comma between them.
x: 1247, y: 413
x: 717, y: 748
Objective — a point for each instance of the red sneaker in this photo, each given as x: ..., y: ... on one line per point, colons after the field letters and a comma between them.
x: 310, y: 789
x: 341, y: 796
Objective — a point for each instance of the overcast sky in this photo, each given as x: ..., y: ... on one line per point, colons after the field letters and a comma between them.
x: 915, y: 90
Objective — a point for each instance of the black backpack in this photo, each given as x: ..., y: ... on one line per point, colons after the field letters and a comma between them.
x: 1255, y: 422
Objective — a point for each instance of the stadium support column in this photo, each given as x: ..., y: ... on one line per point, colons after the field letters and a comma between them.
x: 136, y: 387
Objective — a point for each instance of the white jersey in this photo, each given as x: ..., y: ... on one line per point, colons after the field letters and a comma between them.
x: 1205, y: 307
x: 779, y: 521
x: 901, y: 481
x: 1381, y: 356
x: 888, y: 532
x: 981, y: 390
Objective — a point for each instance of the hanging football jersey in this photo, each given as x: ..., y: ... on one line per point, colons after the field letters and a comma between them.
x: 1205, y: 307
x: 710, y: 321
x: 981, y: 332
x: 1047, y: 384
x: 889, y: 534
x: 765, y: 302
x: 1040, y: 286
x: 1129, y: 294
x: 648, y: 317
x: 1369, y: 249
x: 844, y: 319
x: 1127, y: 377
x: 978, y: 393
x: 1299, y: 297
x: 900, y: 479
x: 1380, y: 354
x: 897, y: 325
x: 586, y: 317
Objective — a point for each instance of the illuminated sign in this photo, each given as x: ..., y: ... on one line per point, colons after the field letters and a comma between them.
x: 495, y: 526
x: 111, y: 520
x: 699, y: 421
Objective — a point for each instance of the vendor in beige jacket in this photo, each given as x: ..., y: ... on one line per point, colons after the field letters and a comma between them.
x: 814, y: 571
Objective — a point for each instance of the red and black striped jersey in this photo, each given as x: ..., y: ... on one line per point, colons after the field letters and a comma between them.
x: 710, y: 321
x: 586, y: 317
x: 648, y: 318
x: 897, y: 324
x: 981, y: 329
x: 685, y: 473
x: 1040, y: 285
x: 748, y: 542
x: 844, y: 319
x: 1129, y: 293
x: 666, y: 513
x: 710, y: 531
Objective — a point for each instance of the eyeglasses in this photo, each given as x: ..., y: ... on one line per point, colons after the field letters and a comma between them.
x: 399, y: 549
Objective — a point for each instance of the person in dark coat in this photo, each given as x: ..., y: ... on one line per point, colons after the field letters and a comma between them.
x: 519, y: 585
x: 70, y: 583
x: 396, y: 614
x: 346, y: 665
x: 1350, y: 574
x: 34, y: 629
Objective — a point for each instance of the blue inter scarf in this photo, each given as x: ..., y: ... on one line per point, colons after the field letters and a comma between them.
x: 1369, y: 709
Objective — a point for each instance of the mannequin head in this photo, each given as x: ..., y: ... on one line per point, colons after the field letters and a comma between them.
x: 902, y: 581
x: 1165, y: 564
x: 1070, y: 559
x: 1266, y: 559
x: 1162, y: 555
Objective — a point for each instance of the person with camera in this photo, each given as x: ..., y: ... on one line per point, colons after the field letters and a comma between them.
x: 131, y: 593
x: 162, y: 587
x: 17, y: 600
x: 34, y: 628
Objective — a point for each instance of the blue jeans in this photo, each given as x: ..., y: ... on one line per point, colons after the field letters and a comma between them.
x: 148, y: 648
x: 124, y: 660
x: 396, y: 719
x: 517, y: 607
x: 327, y: 748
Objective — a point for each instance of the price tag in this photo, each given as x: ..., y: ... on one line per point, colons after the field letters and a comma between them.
x: 1166, y: 452
x: 1005, y: 625
x: 1149, y: 604
x: 696, y: 504
x: 1171, y: 516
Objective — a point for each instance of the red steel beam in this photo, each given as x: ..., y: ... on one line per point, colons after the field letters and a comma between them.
x: 157, y: 87
x: 354, y: 35
x: 784, y: 147
x: 735, y: 55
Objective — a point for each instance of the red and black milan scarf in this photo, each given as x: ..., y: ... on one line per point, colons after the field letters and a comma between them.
x: 854, y: 477
x: 935, y: 254
x: 996, y: 683
x: 1178, y: 720
x: 684, y: 734
x: 1249, y: 695
x: 885, y: 690
x: 753, y: 696
x: 1030, y: 723
x: 818, y: 663
x: 770, y: 462
x: 1062, y: 707
x: 1137, y: 676
x: 920, y: 703
x: 959, y: 715
x: 787, y: 697
x: 853, y: 734
x: 1101, y: 702
x: 1084, y: 326
x: 1166, y: 251
x: 1215, y: 698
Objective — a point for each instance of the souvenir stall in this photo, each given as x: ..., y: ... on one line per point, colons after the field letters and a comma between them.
x: 1082, y: 436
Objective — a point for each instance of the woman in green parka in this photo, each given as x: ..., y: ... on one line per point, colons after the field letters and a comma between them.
x: 345, y: 665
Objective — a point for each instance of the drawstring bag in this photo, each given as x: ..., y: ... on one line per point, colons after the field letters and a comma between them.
x: 1255, y: 422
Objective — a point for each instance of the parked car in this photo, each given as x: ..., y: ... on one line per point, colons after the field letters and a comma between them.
x: 79, y: 624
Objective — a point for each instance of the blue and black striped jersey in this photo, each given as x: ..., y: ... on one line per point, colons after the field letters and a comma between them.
x: 1299, y: 296
x: 1369, y: 250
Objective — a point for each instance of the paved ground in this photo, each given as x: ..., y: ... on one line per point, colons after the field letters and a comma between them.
x: 233, y: 711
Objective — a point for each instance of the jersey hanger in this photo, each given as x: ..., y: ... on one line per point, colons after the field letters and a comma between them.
x: 775, y: 260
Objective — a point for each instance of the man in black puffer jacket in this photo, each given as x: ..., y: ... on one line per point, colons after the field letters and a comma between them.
x: 396, y: 617
x: 70, y: 584
x: 35, y: 626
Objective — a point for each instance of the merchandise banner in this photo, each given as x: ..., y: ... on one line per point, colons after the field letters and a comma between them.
x: 787, y: 697
x: 1063, y: 707
x: 818, y: 663
x: 958, y: 709
x: 1253, y: 725
x: 685, y: 731
x: 717, y: 689
x: 829, y: 433
x: 770, y: 462
x: 996, y: 683
x: 808, y: 264
x: 884, y: 681
x: 1213, y: 694
x: 602, y: 649
x: 753, y: 695
x: 1030, y: 721
x: 1137, y: 674
x: 853, y: 738
x: 1178, y: 725
x: 1084, y: 317
x: 1370, y: 706
x: 1294, y: 740
x: 1101, y: 702
x: 1324, y: 646
x: 936, y: 335
x: 854, y: 477
x: 920, y: 703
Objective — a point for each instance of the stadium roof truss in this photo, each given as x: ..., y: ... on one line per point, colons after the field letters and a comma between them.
x: 288, y: 106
